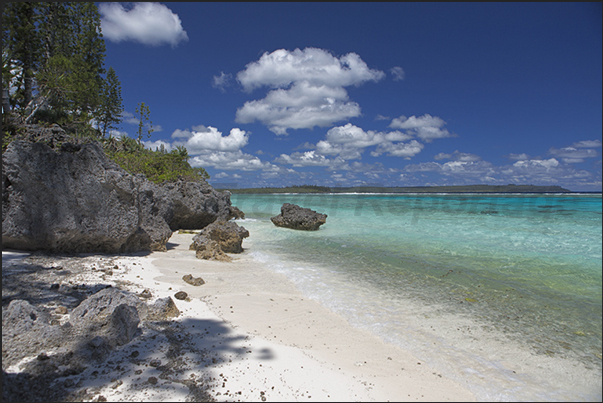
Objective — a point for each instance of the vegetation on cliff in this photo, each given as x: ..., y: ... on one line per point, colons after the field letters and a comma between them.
x: 158, y: 166
x: 53, y: 73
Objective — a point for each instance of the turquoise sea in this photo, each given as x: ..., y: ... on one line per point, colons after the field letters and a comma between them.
x: 499, y: 292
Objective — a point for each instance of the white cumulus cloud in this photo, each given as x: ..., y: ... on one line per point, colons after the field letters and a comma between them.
x: 349, y: 141
x: 229, y: 160
x: 588, y: 144
x: 405, y: 150
x: 425, y: 127
x: 305, y: 159
x: 208, y: 147
x: 519, y: 157
x: 301, y: 106
x: 316, y: 66
x: 209, y: 138
x: 147, y: 23
x: 572, y: 154
x: 307, y: 88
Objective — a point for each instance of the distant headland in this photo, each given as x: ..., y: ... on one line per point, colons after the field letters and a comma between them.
x: 413, y: 189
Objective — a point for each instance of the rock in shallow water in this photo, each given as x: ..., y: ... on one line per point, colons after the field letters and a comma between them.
x: 296, y: 217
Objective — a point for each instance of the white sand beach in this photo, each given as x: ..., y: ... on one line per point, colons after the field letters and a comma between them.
x: 255, y: 338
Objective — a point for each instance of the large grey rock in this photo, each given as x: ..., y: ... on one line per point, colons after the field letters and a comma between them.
x: 27, y: 330
x: 110, y: 317
x: 102, y: 304
x: 296, y: 217
x: 218, y: 238
x: 62, y: 196
x: 77, y: 202
x: 197, y: 204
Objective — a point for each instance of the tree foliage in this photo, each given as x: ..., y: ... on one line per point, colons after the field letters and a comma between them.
x: 53, y: 60
x: 111, y: 107
x: 21, y: 44
x: 53, y: 67
x: 144, y: 112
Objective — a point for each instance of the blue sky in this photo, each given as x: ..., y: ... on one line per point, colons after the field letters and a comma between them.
x: 349, y: 94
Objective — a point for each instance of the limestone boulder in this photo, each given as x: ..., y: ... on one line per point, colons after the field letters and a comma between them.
x: 197, y: 204
x: 296, y: 217
x: 77, y: 201
x: 102, y: 304
x: 110, y: 315
x: 218, y: 238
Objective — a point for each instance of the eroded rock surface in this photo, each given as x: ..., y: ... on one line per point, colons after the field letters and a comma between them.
x: 296, y: 217
x: 63, y: 196
x: 217, y: 239
x: 62, y: 324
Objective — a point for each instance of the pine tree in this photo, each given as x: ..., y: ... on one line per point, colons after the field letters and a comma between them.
x: 143, y: 110
x: 60, y: 47
x: 55, y: 28
x: 21, y: 43
x: 56, y: 75
x: 111, y: 106
x: 88, y: 58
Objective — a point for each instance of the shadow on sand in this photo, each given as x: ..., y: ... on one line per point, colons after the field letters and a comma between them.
x: 166, y: 360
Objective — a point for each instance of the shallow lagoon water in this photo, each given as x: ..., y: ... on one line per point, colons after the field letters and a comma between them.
x: 500, y: 292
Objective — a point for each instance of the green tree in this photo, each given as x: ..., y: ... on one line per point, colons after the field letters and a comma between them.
x: 88, y: 57
x: 56, y: 29
x: 143, y: 110
x: 59, y: 46
x: 111, y: 106
x: 21, y: 43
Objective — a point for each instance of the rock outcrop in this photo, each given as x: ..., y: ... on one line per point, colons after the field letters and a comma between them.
x: 103, y: 321
x: 197, y: 204
x: 217, y: 239
x: 62, y: 196
x: 296, y: 217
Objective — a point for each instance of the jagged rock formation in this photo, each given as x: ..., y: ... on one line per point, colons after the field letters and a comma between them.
x: 217, y: 239
x: 99, y: 324
x: 63, y: 196
x: 197, y: 204
x: 103, y: 321
x: 296, y: 217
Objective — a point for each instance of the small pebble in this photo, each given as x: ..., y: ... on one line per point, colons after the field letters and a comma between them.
x: 180, y: 295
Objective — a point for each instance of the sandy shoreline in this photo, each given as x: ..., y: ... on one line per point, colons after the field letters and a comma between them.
x: 252, y: 336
